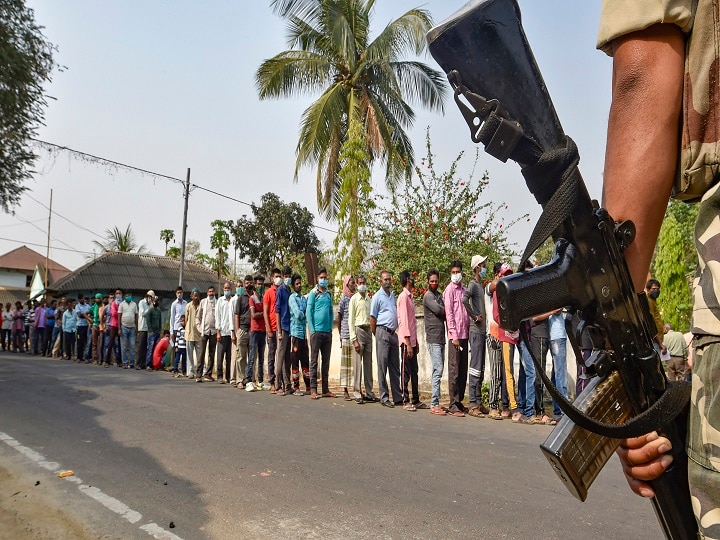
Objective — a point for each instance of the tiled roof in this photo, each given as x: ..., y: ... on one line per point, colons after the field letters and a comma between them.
x: 135, y: 273
x: 12, y: 295
x: 24, y: 258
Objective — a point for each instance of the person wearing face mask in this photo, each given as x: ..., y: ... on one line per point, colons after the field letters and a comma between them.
x: 192, y: 334
x: 299, y: 359
x: 283, y: 381
x: 225, y: 321
x: 142, y: 334
x: 128, y: 313
x: 153, y: 319
x: 113, y: 345
x: 652, y: 291
x: 319, y: 315
x: 384, y: 324
x: 177, y: 309
x: 434, y: 317
x: 474, y: 302
x: 205, y: 322
x: 242, y: 332
x: 258, y: 340
x: 407, y: 335
x: 343, y: 326
x: 458, y: 328
x: 270, y: 315
x: 361, y: 340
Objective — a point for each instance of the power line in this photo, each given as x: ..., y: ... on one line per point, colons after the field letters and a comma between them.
x: 66, y: 219
x: 145, y: 171
x: 45, y: 245
x: 45, y: 231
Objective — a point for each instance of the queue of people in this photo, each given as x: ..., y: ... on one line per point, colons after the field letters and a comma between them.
x: 250, y: 319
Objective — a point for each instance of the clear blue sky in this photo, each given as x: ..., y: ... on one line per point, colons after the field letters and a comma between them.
x: 168, y: 85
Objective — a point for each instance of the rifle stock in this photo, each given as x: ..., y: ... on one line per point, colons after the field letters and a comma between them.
x: 484, y: 51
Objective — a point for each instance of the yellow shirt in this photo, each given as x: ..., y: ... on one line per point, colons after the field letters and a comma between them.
x: 358, y: 313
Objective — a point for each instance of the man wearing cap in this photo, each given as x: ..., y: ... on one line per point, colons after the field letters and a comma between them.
x: 142, y: 335
x: 192, y: 334
x: 474, y: 302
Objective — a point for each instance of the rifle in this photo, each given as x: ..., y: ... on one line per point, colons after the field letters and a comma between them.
x: 503, y: 99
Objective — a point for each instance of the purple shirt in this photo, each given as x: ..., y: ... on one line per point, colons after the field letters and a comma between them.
x: 40, y: 317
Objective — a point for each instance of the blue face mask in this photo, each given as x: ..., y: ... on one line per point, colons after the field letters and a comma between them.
x: 227, y: 294
x: 240, y: 291
x: 322, y: 282
x: 483, y: 272
x: 288, y: 281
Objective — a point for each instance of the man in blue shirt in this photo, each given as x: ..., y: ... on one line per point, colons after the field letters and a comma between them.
x: 298, y: 322
x: 82, y: 310
x: 283, y: 383
x: 384, y: 323
x: 320, y: 319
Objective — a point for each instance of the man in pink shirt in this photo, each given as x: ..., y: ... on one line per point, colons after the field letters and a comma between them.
x: 458, y: 329
x: 407, y: 335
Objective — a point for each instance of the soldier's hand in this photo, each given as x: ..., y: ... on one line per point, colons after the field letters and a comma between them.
x: 644, y: 458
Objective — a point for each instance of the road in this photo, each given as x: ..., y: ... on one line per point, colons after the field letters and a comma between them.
x: 147, y: 450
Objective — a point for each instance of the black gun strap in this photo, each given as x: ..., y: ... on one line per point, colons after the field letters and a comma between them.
x: 662, y: 412
x: 553, y: 173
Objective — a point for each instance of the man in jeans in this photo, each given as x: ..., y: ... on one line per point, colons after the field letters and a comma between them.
x: 128, y: 314
x: 434, y: 314
x: 320, y: 319
x: 384, y: 323
x: 206, y: 325
x: 283, y: 382
x: 257, y: 341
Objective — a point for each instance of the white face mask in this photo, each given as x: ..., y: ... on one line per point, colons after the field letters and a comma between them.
x: 277, y: 281
x: 456, y: 278
x: 362, y: 289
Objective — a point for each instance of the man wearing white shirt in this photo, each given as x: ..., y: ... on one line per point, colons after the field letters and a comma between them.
x: 225, y: 322
x: 142, y: 335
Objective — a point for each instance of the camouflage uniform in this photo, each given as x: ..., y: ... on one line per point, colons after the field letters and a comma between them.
x: 697, y: 179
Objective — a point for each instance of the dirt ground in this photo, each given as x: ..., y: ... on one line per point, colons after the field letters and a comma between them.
x: 26, y: 512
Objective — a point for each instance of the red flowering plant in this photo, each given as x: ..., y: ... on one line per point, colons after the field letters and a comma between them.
x: 435, y: 218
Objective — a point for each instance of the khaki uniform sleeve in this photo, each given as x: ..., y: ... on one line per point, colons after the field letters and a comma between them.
x: 621, y: 17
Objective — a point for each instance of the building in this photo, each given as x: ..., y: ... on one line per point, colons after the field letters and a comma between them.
x: 23, y: 274
x: 134, y: 273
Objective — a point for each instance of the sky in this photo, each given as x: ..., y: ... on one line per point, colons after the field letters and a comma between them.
x: 169, y: 85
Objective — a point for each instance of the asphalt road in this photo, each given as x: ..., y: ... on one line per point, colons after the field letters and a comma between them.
x: 148, y: 450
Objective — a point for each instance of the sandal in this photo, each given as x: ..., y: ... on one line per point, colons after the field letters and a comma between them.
x: 547, y: 420
x: 475, y: 411
x: 438, y: 410
x: 459, y: 414
x: 505, y: 413
x: 520, y: 418
x: 421, y: 405
x: 314, y: 396
x: 409, y: 407
x: 494, y: 414
x: 328, y: 394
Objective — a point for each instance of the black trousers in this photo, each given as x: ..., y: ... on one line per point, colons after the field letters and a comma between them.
x: 142, y: 340
x: 409, y: 374
x: 224, y: 358
x: 208, y: 344
x: 457, y: 374
x: 320, y: 344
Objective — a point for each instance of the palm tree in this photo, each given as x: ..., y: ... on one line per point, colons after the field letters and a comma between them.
x: 116, y: 240
x: 331, y: 53
x: 167, y: 235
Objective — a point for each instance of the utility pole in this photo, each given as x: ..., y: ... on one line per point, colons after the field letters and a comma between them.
x: 184, y: 226
x: 47, y: 253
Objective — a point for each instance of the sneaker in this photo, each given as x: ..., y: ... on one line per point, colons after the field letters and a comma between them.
x: 266, y: 386
x: 250, y: 387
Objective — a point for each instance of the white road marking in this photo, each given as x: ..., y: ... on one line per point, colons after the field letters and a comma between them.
x: 111, y: 503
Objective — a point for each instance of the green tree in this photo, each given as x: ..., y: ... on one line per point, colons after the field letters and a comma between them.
x: 674, y: 264
x: 332, y: 54
x: 26, y: 64
x: 435, y: 219
x: 356, y: 202
x: 278, y: 233
x: 220, y: 240
x: 117, y: 240
x: 167, y: 235
x: 173, y: 252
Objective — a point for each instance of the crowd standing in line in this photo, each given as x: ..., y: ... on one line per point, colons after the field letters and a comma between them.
x: 296, y: 330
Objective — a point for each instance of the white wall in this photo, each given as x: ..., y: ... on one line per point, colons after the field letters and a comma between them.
x: 12, y: 279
